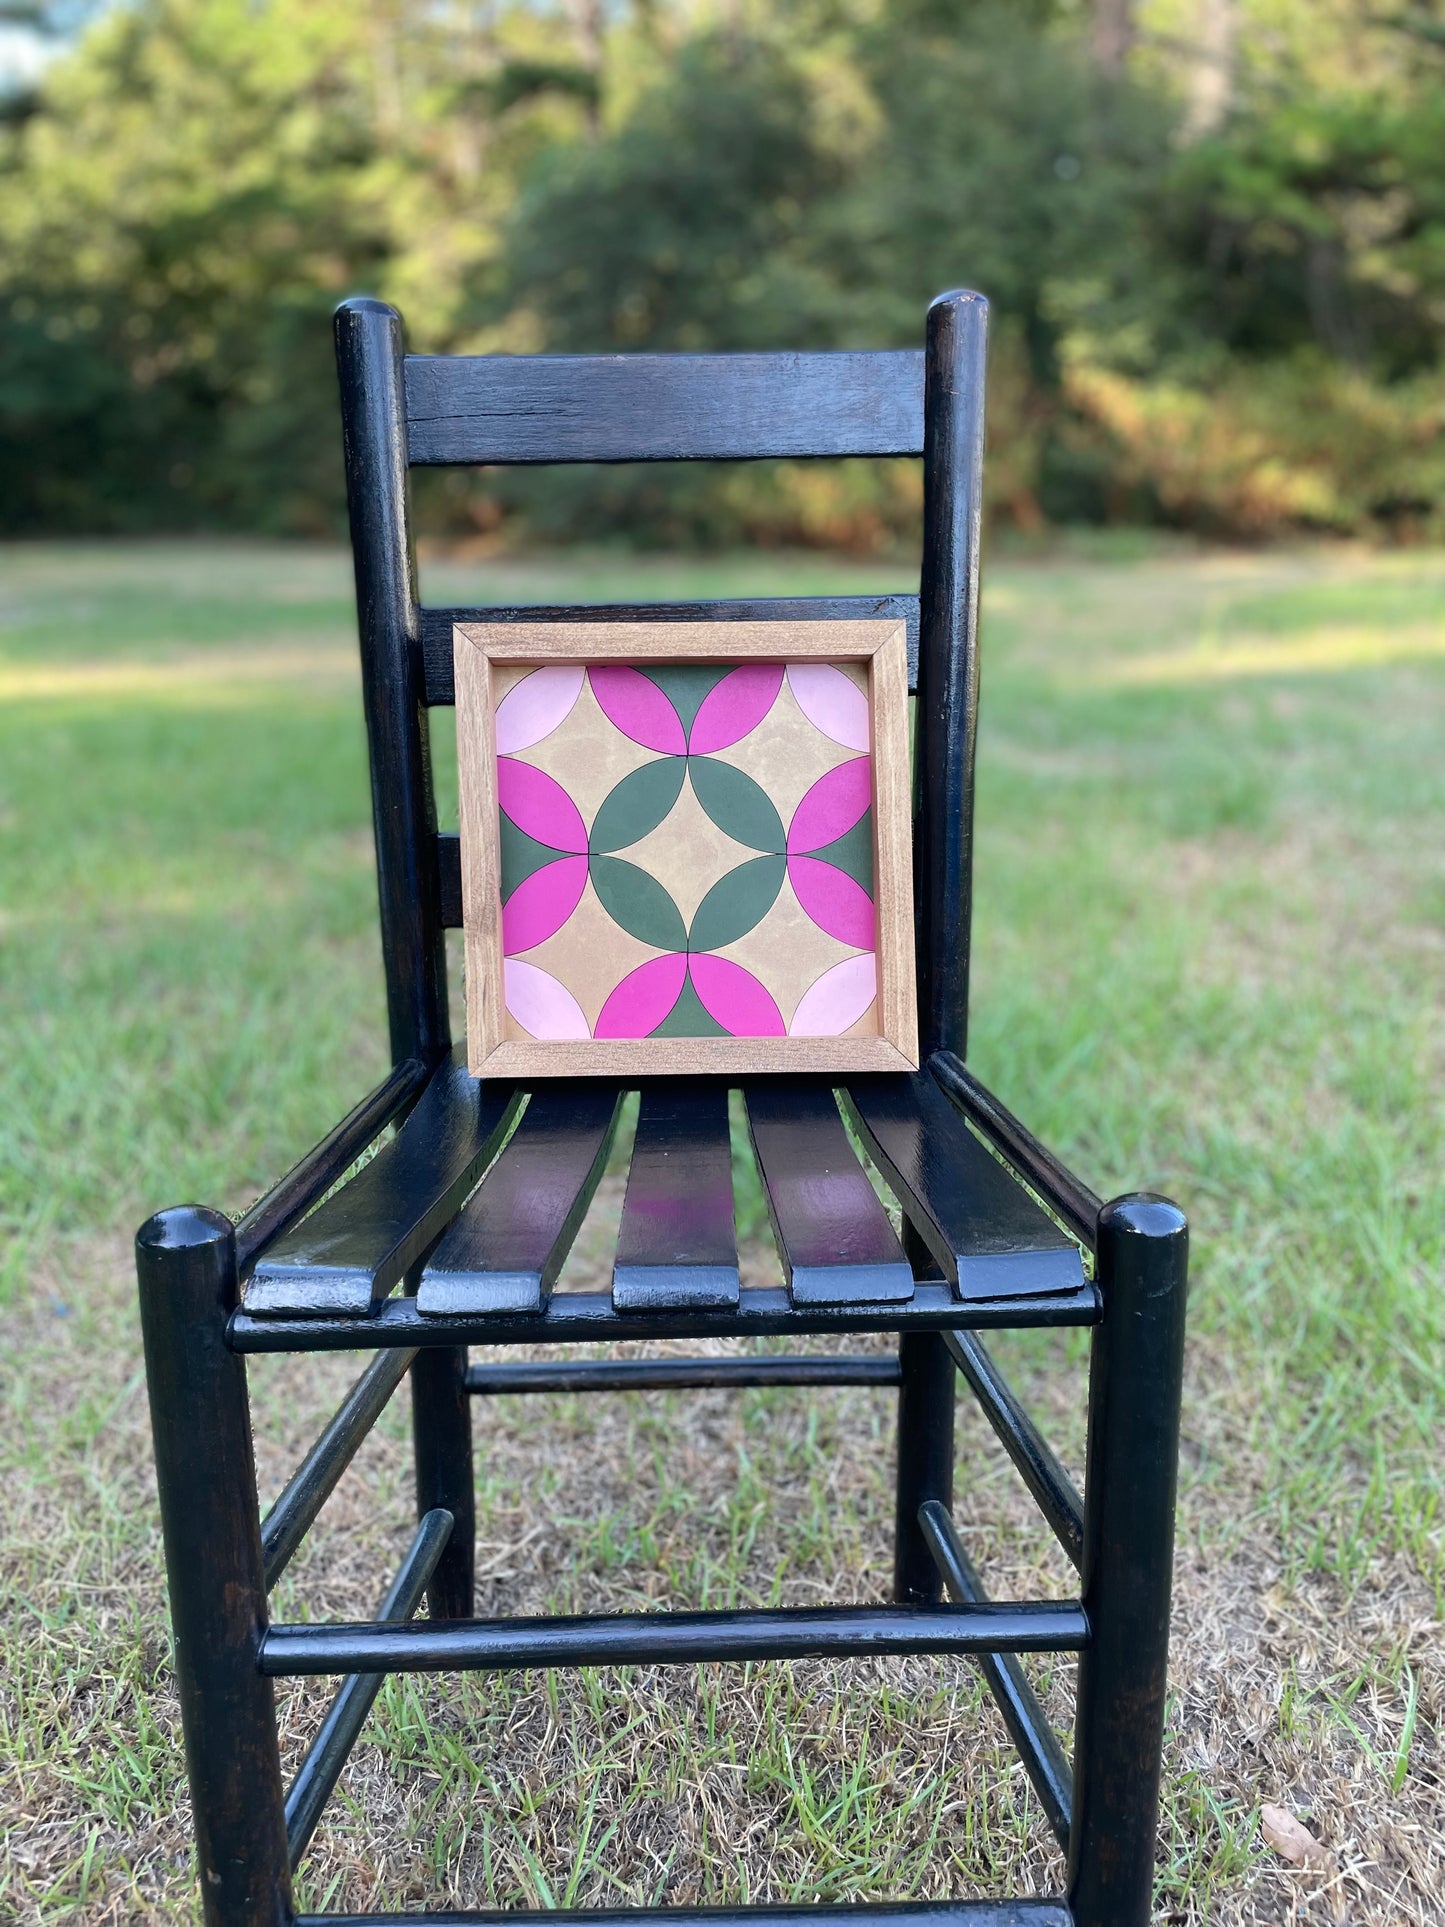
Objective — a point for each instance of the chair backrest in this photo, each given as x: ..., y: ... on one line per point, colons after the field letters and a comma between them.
x: 400, y: 411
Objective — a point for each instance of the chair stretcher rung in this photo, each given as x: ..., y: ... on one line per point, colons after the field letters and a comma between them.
x: 658, y: 1374
x: 328, y: 1753
x: 642, y: 1639
x: 925, y: 1913
x: 1054, y: 1491
x: 1028, y: 1727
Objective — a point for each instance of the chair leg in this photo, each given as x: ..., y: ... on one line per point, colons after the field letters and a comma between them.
x: 925, y: 1461
x: 1129, y: 1489
x: 206, y: 1477
x: 441, y: 1425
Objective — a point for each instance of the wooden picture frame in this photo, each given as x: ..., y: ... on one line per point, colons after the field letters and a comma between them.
x: 846, y: 682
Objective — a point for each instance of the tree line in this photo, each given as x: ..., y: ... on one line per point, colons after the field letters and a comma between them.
x: 1211, y: 231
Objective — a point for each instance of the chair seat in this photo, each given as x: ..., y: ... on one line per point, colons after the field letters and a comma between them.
x: 478, y: 1196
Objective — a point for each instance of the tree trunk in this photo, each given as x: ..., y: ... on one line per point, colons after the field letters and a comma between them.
x: 1211, y: 67
x: 1111, y: 33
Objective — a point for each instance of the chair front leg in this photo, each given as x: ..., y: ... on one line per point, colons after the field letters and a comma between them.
x: 1130, y: 1478
x: 441, y: 1424
x: 206, y: 1477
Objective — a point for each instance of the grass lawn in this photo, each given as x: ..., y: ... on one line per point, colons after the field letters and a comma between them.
x: 1210, y: 952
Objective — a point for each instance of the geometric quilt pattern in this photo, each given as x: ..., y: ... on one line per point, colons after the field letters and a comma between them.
x: 686, y: 850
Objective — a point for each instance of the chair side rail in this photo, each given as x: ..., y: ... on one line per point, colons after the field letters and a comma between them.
x: 1056, y: 1184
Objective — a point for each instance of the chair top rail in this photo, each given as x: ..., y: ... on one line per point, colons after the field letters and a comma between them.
x: 534, y: 409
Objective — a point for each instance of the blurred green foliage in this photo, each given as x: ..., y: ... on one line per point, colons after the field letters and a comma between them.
x: 1217, y: 263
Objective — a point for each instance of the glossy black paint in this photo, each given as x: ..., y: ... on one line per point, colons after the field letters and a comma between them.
x: 661, y: 408
x: 935, y: 1913
x: 291, y: 1518
x: 328, y: 1752
x: 287, y: 1201
x: 1069, y: 1196
x: 574, y: 1317
x: 441, y: 1431
x: 982, y: 1227
x: 436, y: 624
x: 369, y: 355
x: 925, y: 1461
x: 505, y: 1249
x: 973, y: 1221
x: 346, y: 1257
x: 1054, y: 1491
x: 677, y: 1246
x: 947, y: 710
x: 1017, y: 1702
x: 832, y: 1234
x: 1131, y: 1466
x: 664, y: 1374
x: 674, y: 1639
x: 206, y: 1480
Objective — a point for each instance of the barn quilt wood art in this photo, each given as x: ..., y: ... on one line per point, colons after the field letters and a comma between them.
x: 685, y: 847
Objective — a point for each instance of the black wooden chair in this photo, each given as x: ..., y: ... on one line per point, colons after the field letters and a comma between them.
x: 968, y: 1175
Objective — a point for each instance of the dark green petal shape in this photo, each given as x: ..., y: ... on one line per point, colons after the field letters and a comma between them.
x: 686, y: 685
x: 638, y: 902
x: 522, y: 855
x: 736, y: 902
x: 737, y: 804
x: 638, y: 804
x: 689, y: 1016
x: 852, y: 851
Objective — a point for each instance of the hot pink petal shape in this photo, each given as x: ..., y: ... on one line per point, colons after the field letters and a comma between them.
x: 542, y: 1006
x: 542, y: 903
x: 533, y: 707
x: 833, y: 900
x: 643, y: 998
x: 831, y: 702
x: 735, y: 706
x: 832, y: 805
x: 734, y: 998
x: 836, y: 999
x: 538, y: 804
x: 638, y: 707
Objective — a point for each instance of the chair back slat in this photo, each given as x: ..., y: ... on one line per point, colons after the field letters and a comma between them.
x: 437, y: 624
x: 661, y: 408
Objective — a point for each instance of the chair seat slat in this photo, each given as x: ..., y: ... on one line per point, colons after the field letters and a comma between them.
x: 833, y: 1234
x: 507, y: 1246
x: 677, y: 1246
x: 344, y: 1259
x: 988, y: 1236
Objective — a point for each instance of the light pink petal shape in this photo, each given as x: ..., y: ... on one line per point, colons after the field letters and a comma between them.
x: 734, y: 998
x: 836, y: 999
x: 643, y: 998
x: 832, y: 805
x: 638, y: 707
x: 833, y: 900
x: 542, y: 903
x: 831, y: 702
x: 533, y: 707
x: 735, y: 706
x: 538, y: 804
x: 542, y: 1006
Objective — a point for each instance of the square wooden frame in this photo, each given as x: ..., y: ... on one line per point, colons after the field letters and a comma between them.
x: 882, y: 645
